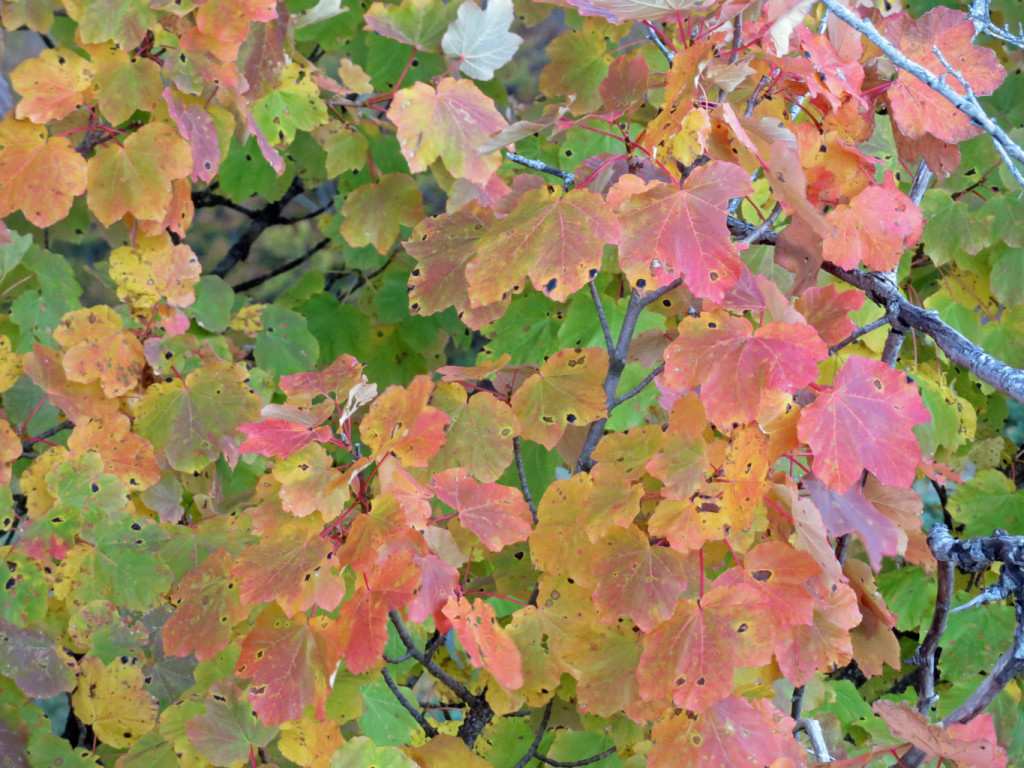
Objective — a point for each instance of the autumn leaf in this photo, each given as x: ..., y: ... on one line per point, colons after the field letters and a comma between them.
x: 496, y: 513
x: 155, y: 270
x: 135, y: 176
x: 401, y: 422
x: 125, y: 454
x: 619, y: 11
x: 288, y: 661
x: 487, y: 643
x: 443, y: 246
x: 97, y: 348
x: 451, y: 122
x: 280, y: 437
x: 917, y: 108
x: 374, y: 212
x: 229, y: 729
x: 111, y: 698
x: 668, y: 232
x: 690, y: 657
x: 557, y: 239
x: 625, y: 85
x: 851, y: 512
x: 636, y: 580
x: 124, y: 84
x: 567, y: 390
x: 310, y: 482
x: 121, y: 21
x: 480, y: 433
x: 39, y: 176
x: 480, y: 39
x: 936, y: 741
x: 195, y: 420
x: 10, y: 450
x: 207, y: 609
x: 39, y: 668
x: 875, y: 228
x: 420, y: 23
x: 735, y: 368
x: 52, y: 85
x: 864, y: 422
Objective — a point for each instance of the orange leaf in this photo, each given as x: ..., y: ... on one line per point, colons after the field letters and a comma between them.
x: 98, y: 349
x: 51, y: 86
x: 496, y: 513
x: 401, y: 422
x: 38, y: 176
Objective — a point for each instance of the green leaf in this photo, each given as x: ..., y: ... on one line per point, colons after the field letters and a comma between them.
x: 986, y: 502
x: 245, y: 173
x: 361, y: 752
x: 214, y: 303
x: 949, y: 230
x: 384, y: 719
x: 285, y: 344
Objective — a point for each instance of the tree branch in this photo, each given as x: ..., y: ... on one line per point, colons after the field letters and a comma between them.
x: 286, y: 267
x: 568, y: 178
x: 966, y: 103
x: 532, y: 751
x: 517, y: 449
x: 260, y: 220
x: 428, y: 729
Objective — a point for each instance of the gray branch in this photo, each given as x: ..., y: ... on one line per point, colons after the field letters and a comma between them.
x: 966, y: 103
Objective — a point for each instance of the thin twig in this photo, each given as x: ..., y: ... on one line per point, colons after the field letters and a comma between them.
x: 517, y: 449
x: 857, y: 333
x: 764, y: 226
x: 608, y: 343
x: 532, y: 751
x: 568, y: 178
x: 574, y: 763
x: 656, y: 39
x: 925, y: 655
x: 286, y: 267
x: 428, y: 729
x: 639, y: 387
x: 456, y: 687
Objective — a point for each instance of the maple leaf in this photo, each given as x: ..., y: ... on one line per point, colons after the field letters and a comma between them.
x: 734, y: 731
x: 738, y: 367
x: 619, y: 11
x: 668, y: 232
x: 480, y: 38
x: 828, y: 310
x: 480, y: 434
x: 125, y: 454
x: 228, y: 730
x: 78, y: 401
x: 625, y: 86
x: 825, y: 645
x: 135, y: 176
x: 207, y: 609
x: 401, y: 422
x: 935, y: 741
x: 193, y: 421
x: 635, y: 579
x: 864, y: 422
x: 363, y: 619
x: 288, y: 661
x: 227, y: 21
x: 875, y: 228
x: 851, y: 512
x: 39, y: 176
x: 452, y: 123
x: 281, y: 437
x: 488, y: 644
x: 443, y: 246
x: 557, y: 239
x: 197, y: 126
x: 294, y: 105
x: 335, y: 382
x: 685, y: 656
x: 496, y: 513
x: 51, y: 85
x: 310, y: 482
x: 420, y: 23
x: 10, y: 450
x: 97, y: 348
x: 917, y: 108
x: 567, y: 390
x: 124, y: 84
x: 374, y: 212
x: 577, y: 68
x: 124, y: 22
x: 111, y: 698
x: 155, y: 270
x: 39, y: 667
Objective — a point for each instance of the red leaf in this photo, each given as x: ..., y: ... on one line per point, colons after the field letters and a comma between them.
x: 279, y: 437
x: 875, y: 228
x: 496, y: 513
x: 289, y: 662
x: 864, y: 422
x: 401, y: 422
x: 916, y: 107
x: 668, y: 232
x: 488, y: 644
x: 828, y: 310
x: 735, y: 368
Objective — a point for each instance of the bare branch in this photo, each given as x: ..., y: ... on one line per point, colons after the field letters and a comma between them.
x: 639, y: 387
x: 608, y: 343
x: 286, y: 267
x: 857, y: 333
x: 979, y: 13
x: 568, y: 178
x: 532, y: 751
x: 428, y: 729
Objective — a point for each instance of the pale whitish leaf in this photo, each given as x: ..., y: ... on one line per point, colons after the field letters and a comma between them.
x: 481, y: 38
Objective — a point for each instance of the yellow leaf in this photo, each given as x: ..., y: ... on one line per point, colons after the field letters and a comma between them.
x: 112, y: 700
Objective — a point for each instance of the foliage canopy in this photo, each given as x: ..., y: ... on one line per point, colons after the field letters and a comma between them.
x: 435, y: 402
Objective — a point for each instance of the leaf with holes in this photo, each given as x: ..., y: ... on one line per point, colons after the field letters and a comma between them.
x: 567, y: 390
x: 668, y: 232
x: 38, y: 176
x: 556, y: 239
